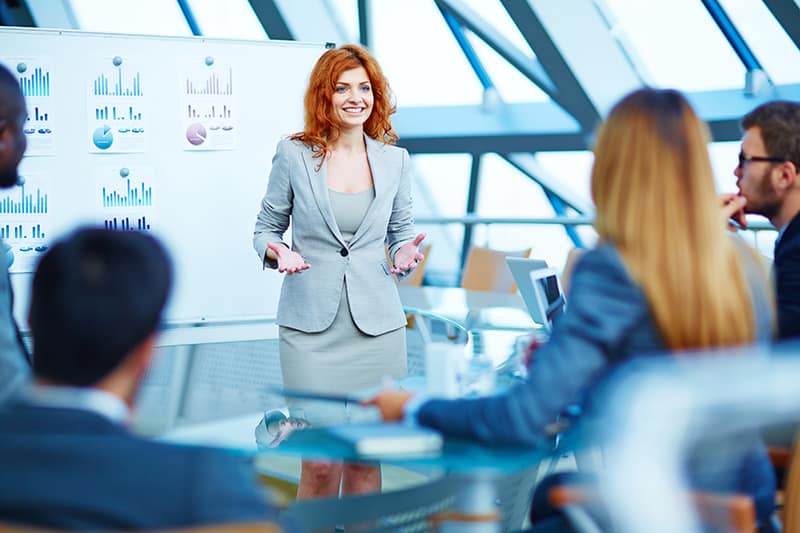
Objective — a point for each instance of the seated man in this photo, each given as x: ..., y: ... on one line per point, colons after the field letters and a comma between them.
x: 67, y: 459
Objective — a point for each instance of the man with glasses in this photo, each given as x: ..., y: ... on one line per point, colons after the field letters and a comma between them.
x: 14, y: 367
x: 767, y: 177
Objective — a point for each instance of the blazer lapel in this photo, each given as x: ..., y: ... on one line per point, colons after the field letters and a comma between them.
x: 319, y: 188
x: 381, y: 180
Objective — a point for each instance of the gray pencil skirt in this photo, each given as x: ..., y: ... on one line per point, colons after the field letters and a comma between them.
x: 341, y: 359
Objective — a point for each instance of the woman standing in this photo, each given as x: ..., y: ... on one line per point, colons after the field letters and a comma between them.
x: 347, y: 193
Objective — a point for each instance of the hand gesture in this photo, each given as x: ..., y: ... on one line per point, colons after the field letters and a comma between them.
x: 390, y: 403
x: 408, y: 256
x: 289, y: 262
x: 733, y: 210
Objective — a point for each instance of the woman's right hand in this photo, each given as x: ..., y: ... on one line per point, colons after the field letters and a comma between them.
x: 732, y: 206
x: 289, y: 262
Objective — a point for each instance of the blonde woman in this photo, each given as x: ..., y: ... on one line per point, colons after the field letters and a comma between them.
x: 665, y: 275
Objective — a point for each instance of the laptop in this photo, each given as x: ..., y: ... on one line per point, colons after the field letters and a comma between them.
x: 520, y: 268
x: 550, y: 300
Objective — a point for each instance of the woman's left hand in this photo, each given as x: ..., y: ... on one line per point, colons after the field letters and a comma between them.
x: 407, y: 256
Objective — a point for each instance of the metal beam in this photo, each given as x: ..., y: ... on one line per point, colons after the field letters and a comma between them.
x: 528, y: 67
x: 587, y: 64
x: 364, y: 23
x: 788, y: 15
x: 52, y: 14
x: 545, y: 121
x: 272, y: 20
x: 15, y: 14
x: 472, y: 203
x: 467, y: 49
x: 311, y: 20
x: 544, y: 126
x: 731, y: 34
x: 561, y: 210
x: 494, y: 143
x: 528, y: 165
x: 189, y: 16
x: 723, y: 109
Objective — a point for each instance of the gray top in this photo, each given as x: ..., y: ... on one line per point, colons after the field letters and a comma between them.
x: 349, y: 209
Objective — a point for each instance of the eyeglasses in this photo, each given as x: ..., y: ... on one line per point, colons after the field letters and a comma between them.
x: 744, y: 158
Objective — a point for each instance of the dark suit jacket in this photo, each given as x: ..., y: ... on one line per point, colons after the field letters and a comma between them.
x: 787, y: 280
x: 72, y: 469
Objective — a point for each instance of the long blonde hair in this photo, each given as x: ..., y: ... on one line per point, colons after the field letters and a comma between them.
x: 654, y: 190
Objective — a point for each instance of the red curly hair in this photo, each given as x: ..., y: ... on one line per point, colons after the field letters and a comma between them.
x: 321, y: 127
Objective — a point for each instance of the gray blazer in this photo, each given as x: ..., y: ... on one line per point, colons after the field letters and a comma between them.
x: 298, y: 192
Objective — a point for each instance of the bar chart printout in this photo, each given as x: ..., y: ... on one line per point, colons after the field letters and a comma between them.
x: 116, y: 107
x: 25, y: 221
x: 208, y: 113
x: 36, y: 81
x: 127, y: 223
x: 125, y: 198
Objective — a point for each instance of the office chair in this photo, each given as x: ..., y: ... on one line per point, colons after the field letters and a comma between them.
x: 249, y: 527
x: 486, y: 270
x: 733, y: 513
x: 791, y: 493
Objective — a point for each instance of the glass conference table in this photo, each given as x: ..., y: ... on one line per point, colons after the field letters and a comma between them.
x: 494, y: 326
x: 490, y: 324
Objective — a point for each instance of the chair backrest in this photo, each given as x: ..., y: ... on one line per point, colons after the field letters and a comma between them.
x: 249, y: 527
x: 408, y: 509
x: 486, y: 270
x: 734, y: 513
x: 569, y: 265
x: 791, y: 499
x: 415, y: 278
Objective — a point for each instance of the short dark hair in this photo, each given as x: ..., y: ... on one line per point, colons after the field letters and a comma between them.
x: 96, y: 295
x: 12, y: 101
x: 779, y: 122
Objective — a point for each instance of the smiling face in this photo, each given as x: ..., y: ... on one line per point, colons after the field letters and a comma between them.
x: 352, y: 98
x: 755, y: 179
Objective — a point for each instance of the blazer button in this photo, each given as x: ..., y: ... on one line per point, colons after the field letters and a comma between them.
x: 343, y: 252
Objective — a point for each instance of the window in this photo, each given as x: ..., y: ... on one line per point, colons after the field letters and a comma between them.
x: 679, y: 44
x: 232, y: 19
x: 150, y: 17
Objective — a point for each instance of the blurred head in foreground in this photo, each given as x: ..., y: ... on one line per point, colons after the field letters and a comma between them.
x: 96, y: 302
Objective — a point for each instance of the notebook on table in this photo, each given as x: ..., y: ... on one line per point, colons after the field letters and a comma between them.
x: 389, y: 439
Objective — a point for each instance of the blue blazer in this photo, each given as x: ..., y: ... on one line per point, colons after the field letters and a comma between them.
x: 608, y: 322
x: 297, y: 190
x: 787, y: 280
x: 73, y: 469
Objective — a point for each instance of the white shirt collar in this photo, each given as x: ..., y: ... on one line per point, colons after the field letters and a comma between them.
x: 85, y: 399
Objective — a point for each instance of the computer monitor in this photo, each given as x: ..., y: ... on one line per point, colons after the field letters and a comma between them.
x: 550, y: 299
x: 520, y: 268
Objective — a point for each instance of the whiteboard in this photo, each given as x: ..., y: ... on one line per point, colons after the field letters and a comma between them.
x: 172, y: 135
